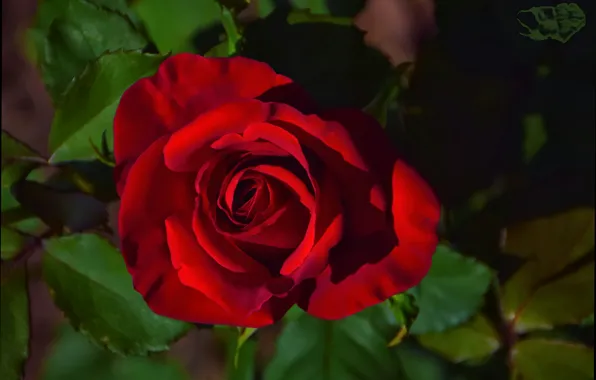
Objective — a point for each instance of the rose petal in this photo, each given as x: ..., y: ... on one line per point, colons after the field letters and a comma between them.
x: 219, y: 247
x: 362, y: 191
x: 152, y: 193
x: 416, y: 214
x: 324, y: 231
x: 183, y: 151
x: 168, y: 297
x: 242, y: 293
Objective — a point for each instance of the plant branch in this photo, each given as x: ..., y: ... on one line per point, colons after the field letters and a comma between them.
x: 23, y: 256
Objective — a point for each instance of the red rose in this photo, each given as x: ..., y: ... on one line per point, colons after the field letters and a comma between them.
x: 240, y: 198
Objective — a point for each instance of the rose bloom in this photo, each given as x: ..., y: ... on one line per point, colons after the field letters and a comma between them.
x: 241, y: 198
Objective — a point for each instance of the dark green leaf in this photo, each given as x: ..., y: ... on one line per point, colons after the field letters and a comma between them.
x: 452, y: 291
x: 90, y: 283
x: 73, y: 357
x: 12, y: 243
x: 59, y: 209
x: 420, y: 364
x: 79, y: 33
x: 472, y: 341
x: 90, y: 103
x: 568, y: 300
x: 294, y: 313
x: 16, y: 217
x: 14, y: 323
x: 171, y: 24
x: 537, y: 359
x: 315, y: 6
x: 351, y: 348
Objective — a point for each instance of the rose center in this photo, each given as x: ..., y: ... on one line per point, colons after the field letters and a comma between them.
x: 245, y: 193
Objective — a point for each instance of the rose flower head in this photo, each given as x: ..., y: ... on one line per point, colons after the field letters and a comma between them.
x: 241, y: 198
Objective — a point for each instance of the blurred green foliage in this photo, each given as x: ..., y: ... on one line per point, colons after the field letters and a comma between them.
x: 511, y: 160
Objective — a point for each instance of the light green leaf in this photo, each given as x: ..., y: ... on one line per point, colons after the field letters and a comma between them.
x: 535, y: 135
x: 549, y: 244
x: 73, y: 357
x: 559, y: 239
x: 90, y: 103
x: 90, y: 283
x: 348, y: 349
x: 472, y: 341
x: 452, y: 291
x: 537, y: 359
x: 78, y: 34
x: 172, y: 24
x: 568, y: 300
x: 12, y: 243
x: 14, y: 325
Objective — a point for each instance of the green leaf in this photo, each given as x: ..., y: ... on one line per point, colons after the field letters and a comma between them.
x: 90, y: 283
x: 90, y: 103
x: 420, y: 364
x: 535, y: 135
x: 14, y: 324
x: 74, y: 211
x: 472, y: 341
x: 568, y: 300
x: 73, y: 357
x: 78, y: 34
x: 265, y: 7
x: 351, y: 348
x: 452, y: 291
x: 537, y: 359
x: 172, y: 24
x: 12, y: 243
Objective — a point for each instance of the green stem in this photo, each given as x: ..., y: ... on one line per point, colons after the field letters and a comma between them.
x: 229, y: 24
